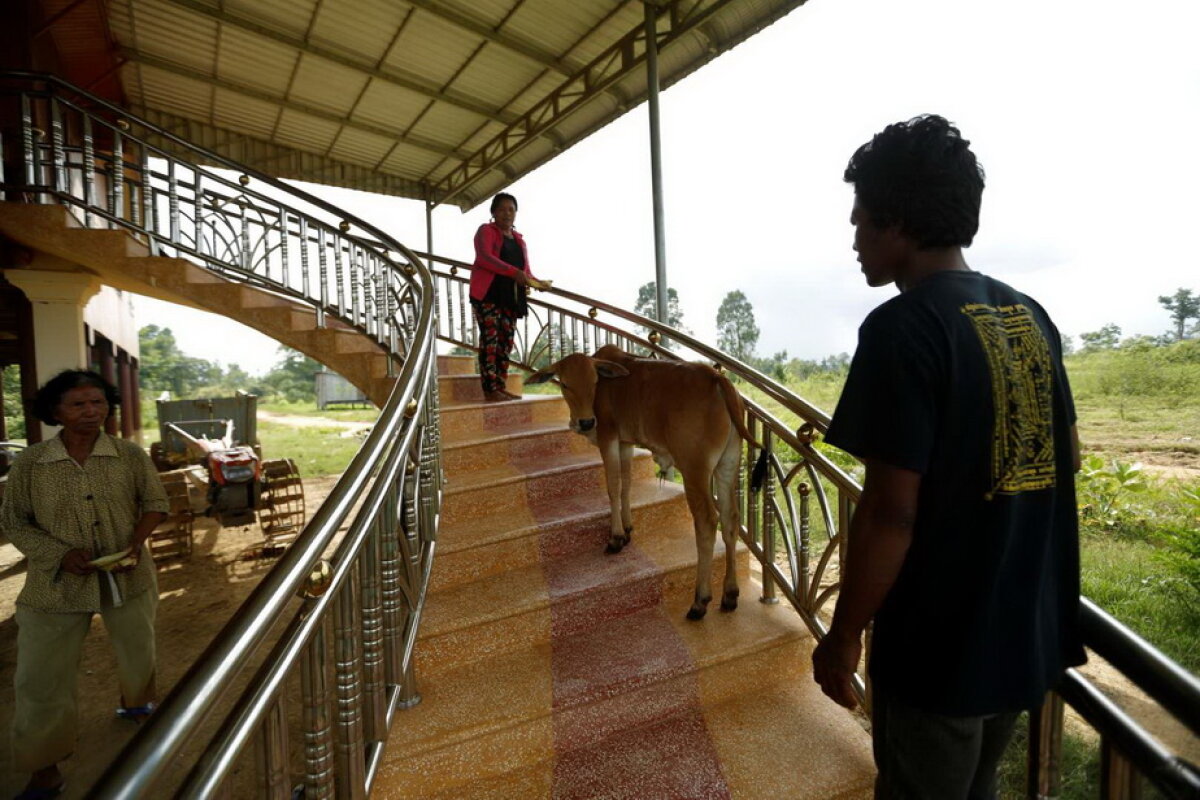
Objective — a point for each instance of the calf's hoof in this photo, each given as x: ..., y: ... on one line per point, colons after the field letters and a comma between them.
x: 696, y: 613
x: 615, y: 543
x: 729, y: 602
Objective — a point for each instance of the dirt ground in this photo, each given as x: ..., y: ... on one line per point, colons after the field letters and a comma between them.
x: 197, y: 597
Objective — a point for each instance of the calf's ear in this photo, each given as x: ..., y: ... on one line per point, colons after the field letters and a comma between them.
x: 609, y: 369
x: 541, y: 376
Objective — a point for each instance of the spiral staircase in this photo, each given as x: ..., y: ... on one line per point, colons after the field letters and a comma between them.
x: 521, y: 661
x: 546, y: 668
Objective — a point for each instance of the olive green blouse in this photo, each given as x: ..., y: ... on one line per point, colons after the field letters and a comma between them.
x: 52, y: 505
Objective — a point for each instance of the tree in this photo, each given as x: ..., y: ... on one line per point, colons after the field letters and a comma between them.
x: 736, y: 332
x: 1068, y: 344
x: 1183, y: 306
x: 14, y: 410
x: 162, y: 366
x: 1106, y: 338
x: 292, y: 377
x: 647, y: 306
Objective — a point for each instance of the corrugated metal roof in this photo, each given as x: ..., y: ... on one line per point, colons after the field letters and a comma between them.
x: 450, y: 98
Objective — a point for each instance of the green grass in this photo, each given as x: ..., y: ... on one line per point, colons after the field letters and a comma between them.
x: 316, y: 451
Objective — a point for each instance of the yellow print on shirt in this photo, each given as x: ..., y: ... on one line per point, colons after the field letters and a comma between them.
x: 1022, y: 392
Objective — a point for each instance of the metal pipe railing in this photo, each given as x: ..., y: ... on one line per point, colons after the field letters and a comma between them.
x: 251, y: 236
x: 809, y: 588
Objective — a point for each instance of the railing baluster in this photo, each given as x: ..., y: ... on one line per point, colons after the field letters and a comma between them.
x: 273, y: 745
x: 769, y: 590
x: 58, y: 157
x: 149, y: 218
x: 173, y: 202
x: 374, y: 696
x: 115, y: 169
x: 339, y: 274
x: 284, y: 240
x: 351, y: 766
x: 318, y: 730
x: 322, y: 276
x: 89, y: 172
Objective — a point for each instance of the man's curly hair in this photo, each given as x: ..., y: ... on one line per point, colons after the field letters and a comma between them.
x: 922, y: 176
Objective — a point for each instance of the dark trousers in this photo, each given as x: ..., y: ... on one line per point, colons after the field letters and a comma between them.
x: 925, y: 756
x: 496, y: 325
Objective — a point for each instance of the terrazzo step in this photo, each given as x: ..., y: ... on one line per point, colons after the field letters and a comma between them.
x: 533, y: 485
x: 469, y: 550
x: 457, y: 365
x: 523, y: 607
x: 468, y: 452
x: 467, y: 419
x: 457, y: 388
x: 506, y: 720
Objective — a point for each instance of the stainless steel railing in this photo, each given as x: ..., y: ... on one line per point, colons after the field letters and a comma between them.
x: 349, y: 637
x: 799, y: 544
x: 352, y: 633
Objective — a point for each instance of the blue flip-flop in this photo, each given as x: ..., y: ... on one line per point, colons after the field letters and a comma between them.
x: 42, y: 792
x: 136, y: 713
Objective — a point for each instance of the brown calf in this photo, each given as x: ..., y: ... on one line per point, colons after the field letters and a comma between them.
x: 688, y: 416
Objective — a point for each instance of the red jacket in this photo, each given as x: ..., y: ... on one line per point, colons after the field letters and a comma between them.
x: 488, y: 240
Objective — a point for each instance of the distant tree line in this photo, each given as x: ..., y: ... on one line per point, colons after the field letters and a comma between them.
x: 163, y: 367
x: 1184, y: 308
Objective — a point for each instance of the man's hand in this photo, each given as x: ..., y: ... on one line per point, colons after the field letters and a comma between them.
x: 76, y: 562
x: 834, y: 663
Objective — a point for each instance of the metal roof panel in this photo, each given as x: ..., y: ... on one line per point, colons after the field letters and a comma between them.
x: 326, y: 85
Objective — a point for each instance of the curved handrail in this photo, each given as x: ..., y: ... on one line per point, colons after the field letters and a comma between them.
x: 250, y: 236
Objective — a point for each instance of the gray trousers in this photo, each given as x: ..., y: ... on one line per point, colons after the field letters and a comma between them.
x: 926, y: 756
x: 46, y: 715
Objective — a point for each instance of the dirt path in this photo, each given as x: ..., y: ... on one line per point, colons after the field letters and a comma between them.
x: 349, y: 427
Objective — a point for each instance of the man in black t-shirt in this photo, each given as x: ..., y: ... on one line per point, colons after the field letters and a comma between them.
x: 964, y: 545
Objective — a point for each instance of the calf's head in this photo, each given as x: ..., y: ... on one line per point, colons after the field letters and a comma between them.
x: 578, y: 375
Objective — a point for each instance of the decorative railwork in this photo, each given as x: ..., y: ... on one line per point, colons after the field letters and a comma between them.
x: 349, y: 641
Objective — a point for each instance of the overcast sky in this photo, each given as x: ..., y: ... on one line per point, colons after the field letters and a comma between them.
x: 1085, y: 115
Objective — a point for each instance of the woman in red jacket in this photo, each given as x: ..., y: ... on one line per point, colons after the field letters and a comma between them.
x: 499, y: 282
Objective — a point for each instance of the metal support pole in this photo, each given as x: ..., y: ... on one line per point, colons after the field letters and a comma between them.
x: 660, y: 242
x: 429, y: 230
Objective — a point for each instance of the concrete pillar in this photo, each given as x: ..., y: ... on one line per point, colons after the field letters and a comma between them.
x: 57, y: 299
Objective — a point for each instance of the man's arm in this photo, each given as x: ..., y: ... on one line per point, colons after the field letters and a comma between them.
x: 879, y: 537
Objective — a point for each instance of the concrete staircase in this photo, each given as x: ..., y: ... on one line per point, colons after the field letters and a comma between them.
x: 551, y: 670
x: 122, y: 261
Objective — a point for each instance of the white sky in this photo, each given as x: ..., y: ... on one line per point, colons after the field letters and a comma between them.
x: 1085, y: 114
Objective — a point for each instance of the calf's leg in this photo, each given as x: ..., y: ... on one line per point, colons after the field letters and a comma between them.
x: 611, y: 455
x: 725, y: 480
x: 704, y: 520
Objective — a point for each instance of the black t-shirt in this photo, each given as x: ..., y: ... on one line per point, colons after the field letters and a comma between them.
x: 961, y: 379
x: 504, y: 291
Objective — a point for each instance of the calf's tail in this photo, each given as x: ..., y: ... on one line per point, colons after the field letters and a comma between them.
x: 737, y: 414
x: 759, y: 475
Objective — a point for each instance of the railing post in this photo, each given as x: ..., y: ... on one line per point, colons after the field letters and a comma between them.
x: 351, y: 753
x: 770, y: 593
x: 89, y: 172
x: 1044, y: 767
x: 374, y: 691
x: 803, y: 535
x: 318, y: 732
x: 273, y: 743
x: 58, y: 157
x: 1118, y: 778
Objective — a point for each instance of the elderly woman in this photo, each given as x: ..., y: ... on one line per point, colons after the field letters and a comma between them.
x: 499, y: 278
x: 78, y: 497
